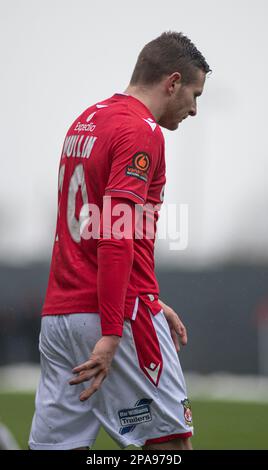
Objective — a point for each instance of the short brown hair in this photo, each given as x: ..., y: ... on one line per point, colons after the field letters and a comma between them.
x: 168, y: 53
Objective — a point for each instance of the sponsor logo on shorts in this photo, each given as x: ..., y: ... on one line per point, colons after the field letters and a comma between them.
x: 187, y: 412
x: 140, y: 166
x: 131, y: 417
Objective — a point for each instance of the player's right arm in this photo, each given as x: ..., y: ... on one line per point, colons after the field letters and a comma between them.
x: 177, y: 329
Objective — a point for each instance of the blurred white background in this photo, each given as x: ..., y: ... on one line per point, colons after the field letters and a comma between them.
x: 59, y: 57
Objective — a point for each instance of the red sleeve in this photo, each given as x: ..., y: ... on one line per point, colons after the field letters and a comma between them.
x: 135, y: 154
x: 115, y: 258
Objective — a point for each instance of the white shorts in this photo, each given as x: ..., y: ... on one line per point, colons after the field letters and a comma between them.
x: 142, y: 400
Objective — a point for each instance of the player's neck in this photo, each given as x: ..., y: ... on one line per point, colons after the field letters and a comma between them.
x: 148, y: 98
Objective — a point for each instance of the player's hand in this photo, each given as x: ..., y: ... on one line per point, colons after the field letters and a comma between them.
x: 97, y: 367
x: 177, y: 329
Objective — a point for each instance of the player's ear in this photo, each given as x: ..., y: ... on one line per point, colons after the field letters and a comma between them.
x: 173, y: 82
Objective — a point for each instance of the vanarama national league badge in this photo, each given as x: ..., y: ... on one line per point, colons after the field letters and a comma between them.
x: 140, y: 166
x: 187, y: 412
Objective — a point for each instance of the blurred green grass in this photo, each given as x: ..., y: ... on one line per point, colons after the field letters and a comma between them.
x: 218, y: 424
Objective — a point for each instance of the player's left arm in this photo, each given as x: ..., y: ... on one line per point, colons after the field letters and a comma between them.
x: 115, y: 257
x: 177, y: 329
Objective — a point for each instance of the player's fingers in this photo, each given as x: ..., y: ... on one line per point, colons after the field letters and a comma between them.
x: 85, y: 366
x: 182, y: 332
x: 84, y: 376
x: 93, y: 388
x: 175, y: 340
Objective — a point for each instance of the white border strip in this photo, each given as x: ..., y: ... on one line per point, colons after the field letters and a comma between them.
x: 135, y: 310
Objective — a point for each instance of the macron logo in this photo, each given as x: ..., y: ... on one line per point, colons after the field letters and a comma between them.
x: 151, y: 123
x: 153, y: 371
x: 90, y: 116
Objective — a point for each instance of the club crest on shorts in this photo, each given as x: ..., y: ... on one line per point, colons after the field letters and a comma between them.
x: 187, y: 412
x: 131, y: 417
x: 140, y: 166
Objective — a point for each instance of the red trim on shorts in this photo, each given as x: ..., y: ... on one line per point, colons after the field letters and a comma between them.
x: 168, y: 438
x: 147, y: 344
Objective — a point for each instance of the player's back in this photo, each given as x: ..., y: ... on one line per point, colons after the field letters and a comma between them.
x: 113, y: 148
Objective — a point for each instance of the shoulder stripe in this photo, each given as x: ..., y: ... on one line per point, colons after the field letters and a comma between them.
x: 151, y: 123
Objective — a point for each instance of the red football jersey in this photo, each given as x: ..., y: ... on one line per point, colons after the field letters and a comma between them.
x: 113, y: 148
